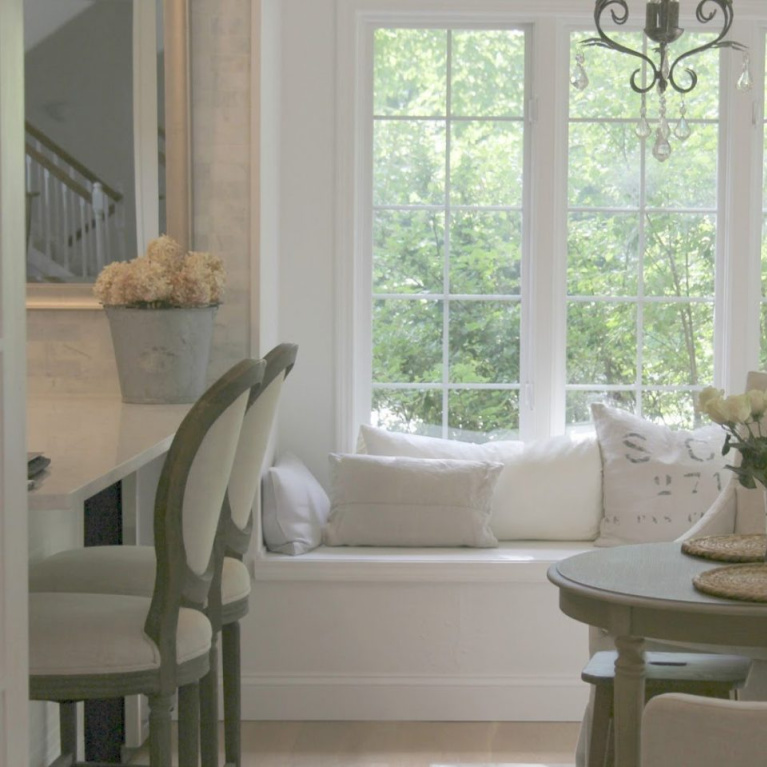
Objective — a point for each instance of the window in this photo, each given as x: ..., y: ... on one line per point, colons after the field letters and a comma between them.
x: 448, y: 201
x: 641, y: 249
x: 518, y: 252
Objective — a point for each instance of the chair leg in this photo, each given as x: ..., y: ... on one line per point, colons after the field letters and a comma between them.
x: 189, y: 725
x: 600, y: 727
x: 209, y: 710
x: 68, y: 728
x: 160, y: 747
x: 230, y: 668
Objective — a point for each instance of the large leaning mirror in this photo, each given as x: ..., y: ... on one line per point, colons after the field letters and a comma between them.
x: 107, y: 138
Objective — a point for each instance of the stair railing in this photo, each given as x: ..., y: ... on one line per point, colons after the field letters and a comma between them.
x: 76, y: 220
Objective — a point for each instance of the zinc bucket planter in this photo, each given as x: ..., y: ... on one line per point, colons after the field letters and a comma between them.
x: 162, y: 354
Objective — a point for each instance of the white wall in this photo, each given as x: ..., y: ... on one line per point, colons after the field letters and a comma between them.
x: 307, y: 139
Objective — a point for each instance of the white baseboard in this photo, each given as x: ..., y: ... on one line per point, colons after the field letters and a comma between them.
x: 412, y: 698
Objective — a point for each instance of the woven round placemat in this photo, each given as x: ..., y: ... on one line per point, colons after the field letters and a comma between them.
x: 744, y: 582
x: 728, y: 548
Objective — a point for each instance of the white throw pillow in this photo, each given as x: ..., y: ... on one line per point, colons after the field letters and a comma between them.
x: 551, y: 491
x: 548, y: 490
x: 657, y: 482
x: 295, y: 507
x: 389, y: 501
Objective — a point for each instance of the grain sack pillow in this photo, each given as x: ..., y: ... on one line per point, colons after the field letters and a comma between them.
x: 656, y: 482
x: 395, y: 501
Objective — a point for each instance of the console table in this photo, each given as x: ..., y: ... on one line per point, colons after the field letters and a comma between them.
x: 93, y: 442
x: 646, y: 591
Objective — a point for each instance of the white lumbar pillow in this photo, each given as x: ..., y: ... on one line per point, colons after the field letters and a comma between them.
x: 548, y: 490
x: 657, y: 482
x: 391, y: 501
x: 295, y: 507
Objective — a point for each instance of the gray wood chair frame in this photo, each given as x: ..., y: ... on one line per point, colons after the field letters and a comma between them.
x: 177, y: 585
x: 233, y: 541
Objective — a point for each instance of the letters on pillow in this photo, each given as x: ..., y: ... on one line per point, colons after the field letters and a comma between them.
x: 295, y: 507
x: 391, y: 501
x: 656, y: 482
x: 548, y: 490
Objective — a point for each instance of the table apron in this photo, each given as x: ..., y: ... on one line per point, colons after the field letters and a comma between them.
x: 669, y: 624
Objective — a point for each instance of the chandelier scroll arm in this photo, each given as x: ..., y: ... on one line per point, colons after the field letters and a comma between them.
x: 620, y: 16
x: 705, y: 17
x: 612, y: 45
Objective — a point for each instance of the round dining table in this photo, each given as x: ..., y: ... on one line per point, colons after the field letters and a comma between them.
x: 646, y: 591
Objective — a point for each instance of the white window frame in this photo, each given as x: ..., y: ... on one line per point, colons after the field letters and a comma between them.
x: 543, y: 375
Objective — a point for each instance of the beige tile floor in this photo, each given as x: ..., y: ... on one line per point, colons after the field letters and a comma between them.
x: 408, y: 744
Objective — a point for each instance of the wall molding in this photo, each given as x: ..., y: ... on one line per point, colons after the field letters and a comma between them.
x: 387, y: 697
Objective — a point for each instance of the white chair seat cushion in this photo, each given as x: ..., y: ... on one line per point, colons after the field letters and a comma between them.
x: 73, y: 634
x: 122, y: 570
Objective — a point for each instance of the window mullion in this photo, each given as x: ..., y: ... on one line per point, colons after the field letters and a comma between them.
x: 446, y: 255
x: 641, y: 257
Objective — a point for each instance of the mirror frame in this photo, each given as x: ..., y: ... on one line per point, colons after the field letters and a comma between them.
x: 178, y: 160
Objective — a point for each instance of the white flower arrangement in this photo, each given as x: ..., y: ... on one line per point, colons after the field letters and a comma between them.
x: 741, y: 417
x: 166, y: 277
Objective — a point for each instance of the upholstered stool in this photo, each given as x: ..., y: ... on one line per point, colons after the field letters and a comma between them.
x: 714, y: 676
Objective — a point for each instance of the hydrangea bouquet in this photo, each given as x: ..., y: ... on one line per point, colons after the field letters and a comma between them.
x: 166, y: 277
x: 741, y: 417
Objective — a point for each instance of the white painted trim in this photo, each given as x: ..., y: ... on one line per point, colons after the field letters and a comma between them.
x: 347, y: 237
x: 387, y: 697
x: 14, y: 643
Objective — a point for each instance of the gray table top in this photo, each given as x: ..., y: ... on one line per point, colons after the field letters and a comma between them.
x: 651, y: 575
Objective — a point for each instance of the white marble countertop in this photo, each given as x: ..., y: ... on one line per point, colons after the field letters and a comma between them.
x: 93, y: 442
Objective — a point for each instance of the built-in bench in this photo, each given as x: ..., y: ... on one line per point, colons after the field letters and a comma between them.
x: 348, y: 632
x: 422, y: 634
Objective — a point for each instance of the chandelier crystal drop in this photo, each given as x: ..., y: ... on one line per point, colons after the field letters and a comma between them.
x: 667, y: 70
x: 579, y: 79
x: 745, y: 82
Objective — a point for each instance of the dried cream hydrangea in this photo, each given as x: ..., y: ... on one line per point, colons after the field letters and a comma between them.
x: 165, y: 277
x: 165, y: 251
x: 110, y: 274
x: 200, y: 280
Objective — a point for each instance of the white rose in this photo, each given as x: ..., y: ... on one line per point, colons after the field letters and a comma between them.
x: 737, y: 408
x: 715, y: 410
x: 758, y: 402
x: 708, y: 394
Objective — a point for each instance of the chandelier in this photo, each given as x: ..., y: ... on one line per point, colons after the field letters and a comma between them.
x: 662, y: 28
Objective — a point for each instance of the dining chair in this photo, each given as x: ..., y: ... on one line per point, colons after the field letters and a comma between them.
x: 129, y: 570
x: 710, y: 674
x: 680, y: 730
x: 93, y: 645
x: 234, y: 540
